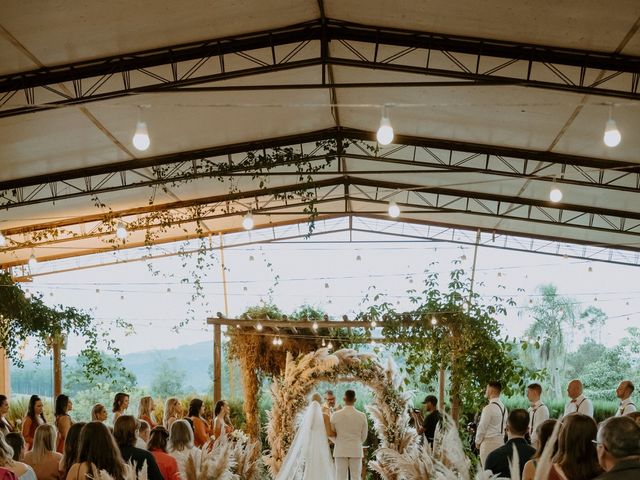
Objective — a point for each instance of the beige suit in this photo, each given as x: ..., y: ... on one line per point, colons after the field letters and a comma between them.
x: 351, y: 429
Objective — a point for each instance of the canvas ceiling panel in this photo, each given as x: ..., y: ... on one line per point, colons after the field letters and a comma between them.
x: 52, y: 141
x: 591, y: 24
x: 509, y: 116
x: 64, y: 31
x: 11, y: 58
x: 584, y: 135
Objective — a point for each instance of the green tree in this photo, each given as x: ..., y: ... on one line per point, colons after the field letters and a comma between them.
x: 595, y: 318
x: 168, y: 380
x: 114, y: 377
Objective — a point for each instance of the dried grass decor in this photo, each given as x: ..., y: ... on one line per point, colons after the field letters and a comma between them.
x: 389, y: 410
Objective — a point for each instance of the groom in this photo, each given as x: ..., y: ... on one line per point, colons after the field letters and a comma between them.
x: 349, y: 427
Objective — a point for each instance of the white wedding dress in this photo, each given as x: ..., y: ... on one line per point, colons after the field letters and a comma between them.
x: 309, y: 457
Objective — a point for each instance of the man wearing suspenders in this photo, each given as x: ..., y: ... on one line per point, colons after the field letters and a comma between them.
x: 579, y: 403
x: 493, y: 420
x: 538, y: 411
x: 623, y: 392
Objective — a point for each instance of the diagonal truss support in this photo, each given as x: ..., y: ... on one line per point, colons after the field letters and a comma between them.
x: 322, y: 42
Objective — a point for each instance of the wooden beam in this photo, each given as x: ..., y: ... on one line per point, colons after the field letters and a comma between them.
x: 217, y: 363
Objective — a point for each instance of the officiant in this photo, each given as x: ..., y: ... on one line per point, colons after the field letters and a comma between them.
x: 428, y: 425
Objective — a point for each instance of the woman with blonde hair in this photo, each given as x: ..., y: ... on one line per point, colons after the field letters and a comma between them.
x: 21, y: 470
x: 181, y: 446
x: 145, y: 408
x: 43, y: 457
x: 99, y: 413
x: 172, y: 412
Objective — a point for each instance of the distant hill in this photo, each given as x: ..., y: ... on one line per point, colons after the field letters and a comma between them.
x: 193, y: 359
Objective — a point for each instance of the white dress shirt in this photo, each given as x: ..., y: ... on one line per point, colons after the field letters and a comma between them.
x: 580, y: 405
x: 493, y: 421
x: 626, y: 407
x: 538, y: 413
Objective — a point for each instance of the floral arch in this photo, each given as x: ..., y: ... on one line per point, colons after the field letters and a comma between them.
x: 389, y: 410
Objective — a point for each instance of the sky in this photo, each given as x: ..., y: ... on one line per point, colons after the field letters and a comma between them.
x: 330, y: 273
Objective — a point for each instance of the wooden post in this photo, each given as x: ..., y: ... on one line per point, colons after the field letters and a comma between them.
x: 441, y: 378
x: 56, y: 348
x: 5, y: 376
x: 217, y: 367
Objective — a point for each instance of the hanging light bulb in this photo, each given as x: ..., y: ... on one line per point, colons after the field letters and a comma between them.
x: 141, y: 138
x: 374, y: 324
x: 3, y: 240
x: 385, y: 130
x: 251, y: 258
x: 33, y: 261
x: 330, y: 346
x: 394, y: 209
x: 259, y: 326
x: 275, y: 341
x: 121, y: 231
x: 324, y: 344
x: 463, y: 257
x: 612, y: 135
x: 358, y: 258
x: 555, y: 194
x: 315, y: 325
x: 247, y: 221
x: 590, y: 269
x: 434, y: 320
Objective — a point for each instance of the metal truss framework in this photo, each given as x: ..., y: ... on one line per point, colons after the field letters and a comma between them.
x: 409, y: 155
x: 322, y: 42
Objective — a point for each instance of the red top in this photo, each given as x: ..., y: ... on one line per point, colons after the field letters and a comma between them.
x: 200, y: 431
x: 167, y: 464
x: 147, y: 419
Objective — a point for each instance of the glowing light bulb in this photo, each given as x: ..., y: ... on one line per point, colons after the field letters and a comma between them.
x: 324, y: 344
x: 247, y: 221
x: 3, y: 240
x: 141, y: 138
x: 374, y: 324
x: 612, y: 135
x: 121, y: 231
x: 315, y: 325
x: 385, y: 130
x: 434, y: 320
x: 259, y: 327
x: 33, y: 261
x: 274, y: 341
x: 330, y: 346
x: 394, y: 209
x: 555, y: 195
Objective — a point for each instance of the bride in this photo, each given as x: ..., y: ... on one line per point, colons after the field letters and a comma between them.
x: 309, y: 457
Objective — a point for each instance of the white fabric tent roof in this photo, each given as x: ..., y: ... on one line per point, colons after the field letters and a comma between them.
x: 480, y: 150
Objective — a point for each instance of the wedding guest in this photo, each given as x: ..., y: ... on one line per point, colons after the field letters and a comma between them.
x: 493, y: 420
x: 21, y: 470
x: 33, y: 419
x: 624, y: 392
x: 120, y: 405
x: 576, y: 458
x: 221, y: 420
x: 579, y: 403
x: 181, y: 446
x: 619, y: 449
x: 635, y: 416
x: 544, y: 433
x: 200, y: 426
x: 98, y: 449
x: 145, y: 409
x: 124, y: 432
x: 63, y: 406
x: 157, y: 445
x: 428, y: 426
x: 5, y: 425
x: 16, y: 441
x: 99, y: 413
x: 142, y: 434
x: 172, y: 412
x: 43, y: 458
x: 538, y: 411
x: 329, y: 406
x: 71, y: 448
x: 517, y: 427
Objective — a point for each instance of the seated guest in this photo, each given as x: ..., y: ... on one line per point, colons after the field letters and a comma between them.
x: 221, y: 421
x: 200, y: 426
x: 635, y: 416
x: 142, y: 434
x: 21, y: 470
x: 124, y: 431
x: 517, y: 428
x: 71, y: 448
x: 157, y: 445
x: 428, y: 426
x: 145, y: 410
x: 619, y: 449
x: 579, y: 403
x: 33, y: 419
x: 63, y: 406
x: 576, y: 457
x: 624, y: 392
x: 172, y: 412
x: 16, y: 441
x: 43, y: 457
x: 99, y: 413
x: 181, y: 445
x: 6, y: 426
x: 545, y: 430
x: 98, y: 450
